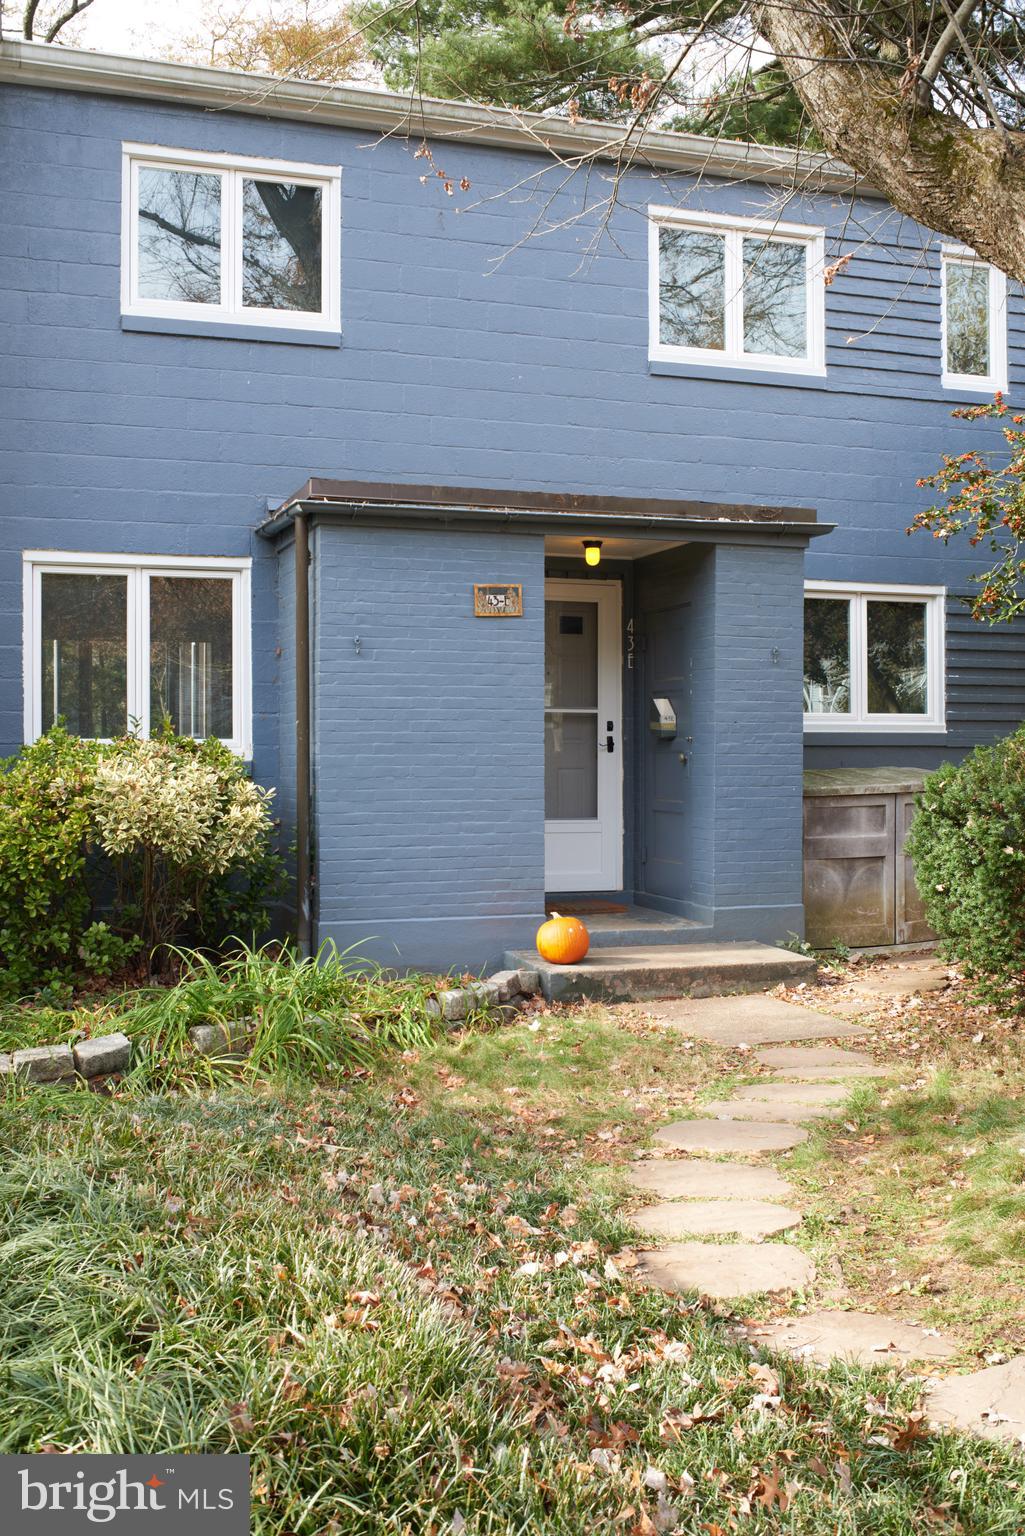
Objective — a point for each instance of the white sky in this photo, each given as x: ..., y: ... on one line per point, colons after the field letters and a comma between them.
x: 141, y: 27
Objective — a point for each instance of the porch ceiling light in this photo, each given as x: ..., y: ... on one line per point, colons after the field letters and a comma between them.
x: 592, y: 551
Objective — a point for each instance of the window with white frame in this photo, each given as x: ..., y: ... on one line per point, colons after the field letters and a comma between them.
x: 736, y: 291
x: 220, y: 237
x: 974, y: 322
x: 873, y: 657
x: 124, y: 642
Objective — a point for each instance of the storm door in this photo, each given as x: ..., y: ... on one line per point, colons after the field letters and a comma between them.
x: 583, y: 737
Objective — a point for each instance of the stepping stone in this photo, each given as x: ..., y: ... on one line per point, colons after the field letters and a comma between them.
x: 715, y: 1218
x: 789, y: 1113
x: 751, y: 1020
x: 863, y: 1337
x: 726, y: 1271
x: 819, y: 1063
x: 833, y: 1074
x: 990, y: 1403
x: 789, y: 1056
x: 816, y: 1094
x: 726, y: 1136
x: 692, y: 1179
x: 903, y: 981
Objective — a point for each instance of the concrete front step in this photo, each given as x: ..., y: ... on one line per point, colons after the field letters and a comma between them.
x: 636, y: 974
x: 638, y: 927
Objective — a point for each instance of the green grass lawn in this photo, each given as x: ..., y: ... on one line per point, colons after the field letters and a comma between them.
x: 920, y: 1197
x: 408, y: 1296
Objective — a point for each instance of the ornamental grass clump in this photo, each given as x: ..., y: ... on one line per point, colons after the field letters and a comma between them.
x: 968, y: 846
x: 286, y: 1013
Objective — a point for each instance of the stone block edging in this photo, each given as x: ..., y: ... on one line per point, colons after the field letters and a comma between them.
x: 506, y: 991
x: 96, y: 1057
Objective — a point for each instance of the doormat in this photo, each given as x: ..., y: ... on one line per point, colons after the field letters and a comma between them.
x: 591, y: 907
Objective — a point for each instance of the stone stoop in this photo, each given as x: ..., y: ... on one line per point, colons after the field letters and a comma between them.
x: 635, y: 974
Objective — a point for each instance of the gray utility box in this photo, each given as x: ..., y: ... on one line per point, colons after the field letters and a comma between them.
x: 859, y: 885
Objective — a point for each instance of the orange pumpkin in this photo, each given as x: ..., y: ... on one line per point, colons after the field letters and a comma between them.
x: 562, y: 940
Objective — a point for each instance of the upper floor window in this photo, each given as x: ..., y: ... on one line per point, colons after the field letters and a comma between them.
x: 974, y: 323
x: 216, y: 237
x: 738, y: 292
x: 122, y: 642
x: 873, y: 657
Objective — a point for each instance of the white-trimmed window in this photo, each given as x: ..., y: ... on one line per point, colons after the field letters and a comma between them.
x: 122, y: 642
x: 974, y: 322
x: 733, y: 291
x: 225, y: 238
x: 873, y: 657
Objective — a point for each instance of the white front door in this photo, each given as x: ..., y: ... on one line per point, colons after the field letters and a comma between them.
x: 583, y: 737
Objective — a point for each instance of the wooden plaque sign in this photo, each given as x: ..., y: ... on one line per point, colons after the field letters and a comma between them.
x: 498, y: 600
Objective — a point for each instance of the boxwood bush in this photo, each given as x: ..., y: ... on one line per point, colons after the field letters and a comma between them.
x: 968, y: 846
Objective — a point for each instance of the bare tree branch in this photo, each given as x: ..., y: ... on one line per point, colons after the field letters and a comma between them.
x: 29, y: 20
x: 932, y: 66
x: 75, y: 8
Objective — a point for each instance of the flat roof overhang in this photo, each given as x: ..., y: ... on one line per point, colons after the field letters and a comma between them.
x: 445, y: 506
x: 413, y: 116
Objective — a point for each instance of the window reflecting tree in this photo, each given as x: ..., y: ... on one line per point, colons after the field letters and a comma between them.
x: 967, y: 302
x: 179, y: 235
x: 897, y: 671
x: 775, y: 298
x: 692, y: 288
x: 191, y: 654
x: 84, y: 659
x: 827, y: 656
x: 281, y: 246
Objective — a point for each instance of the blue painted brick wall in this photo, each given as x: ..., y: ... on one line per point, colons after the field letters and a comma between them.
x: 428, y: 744
x: 758, y: 660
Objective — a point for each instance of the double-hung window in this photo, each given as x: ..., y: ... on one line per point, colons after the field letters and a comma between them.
x: 974, y: 322
x: 739, y: 292
x: 124, y: 642
x: 215, y: 238
x: 873, y: 657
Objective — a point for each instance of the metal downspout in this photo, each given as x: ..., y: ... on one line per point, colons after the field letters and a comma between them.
x: 303, y: 913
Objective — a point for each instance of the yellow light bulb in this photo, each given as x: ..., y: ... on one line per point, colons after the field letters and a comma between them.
x: 592, y: 551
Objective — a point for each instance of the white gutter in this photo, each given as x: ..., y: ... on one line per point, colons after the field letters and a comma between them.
x: 389, y: 112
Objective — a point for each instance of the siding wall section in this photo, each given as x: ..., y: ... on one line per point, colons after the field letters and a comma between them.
x: 985, y: 678
x: 469, y: 356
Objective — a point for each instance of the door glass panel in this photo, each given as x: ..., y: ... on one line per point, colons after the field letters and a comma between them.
x: 897, y: 671
x: 190, y: 654
x: 571, y: 766
x: 571, y: 655
x: 84, y: 658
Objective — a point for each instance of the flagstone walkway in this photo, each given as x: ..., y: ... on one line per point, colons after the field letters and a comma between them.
x: 743, y: 1200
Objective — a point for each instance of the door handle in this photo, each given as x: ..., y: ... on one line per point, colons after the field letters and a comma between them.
x: 610, y: 745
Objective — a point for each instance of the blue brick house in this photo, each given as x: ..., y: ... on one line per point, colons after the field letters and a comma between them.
x: 522, y: 554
